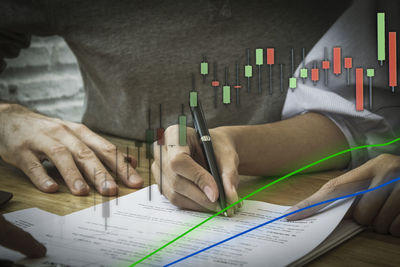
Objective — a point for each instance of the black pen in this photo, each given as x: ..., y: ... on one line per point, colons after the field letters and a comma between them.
x: 200, y: 126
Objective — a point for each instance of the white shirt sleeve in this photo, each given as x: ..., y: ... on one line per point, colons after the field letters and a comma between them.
x: 355, y: 33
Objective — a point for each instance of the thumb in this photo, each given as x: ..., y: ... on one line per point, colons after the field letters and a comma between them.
x: 345, y: 184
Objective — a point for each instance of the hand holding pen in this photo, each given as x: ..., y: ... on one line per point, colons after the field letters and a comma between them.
x: 186, y: 181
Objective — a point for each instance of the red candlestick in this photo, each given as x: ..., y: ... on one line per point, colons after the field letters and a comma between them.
x: 270, y: 56
x: 314, y: 75
x: 337, y: 68
x: 392, y: 60
x: 359, y: 89
x: 348, y: 63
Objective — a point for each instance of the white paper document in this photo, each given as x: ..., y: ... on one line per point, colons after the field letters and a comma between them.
x: 137, y: 226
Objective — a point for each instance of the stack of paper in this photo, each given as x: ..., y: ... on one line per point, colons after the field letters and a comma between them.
x: 136, y: 227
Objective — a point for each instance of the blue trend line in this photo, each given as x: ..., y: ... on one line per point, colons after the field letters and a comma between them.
x: 281, y: 217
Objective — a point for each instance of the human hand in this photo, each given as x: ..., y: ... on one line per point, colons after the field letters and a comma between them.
x: 15, y: 238
x: 28, y: 138
x: 380, y: 208
x: 186, y: 182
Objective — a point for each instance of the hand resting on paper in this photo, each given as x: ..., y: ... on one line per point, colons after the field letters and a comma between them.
x: 379, y: 209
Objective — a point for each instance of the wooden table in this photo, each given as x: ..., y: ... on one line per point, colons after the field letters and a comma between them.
x: 366, y: 249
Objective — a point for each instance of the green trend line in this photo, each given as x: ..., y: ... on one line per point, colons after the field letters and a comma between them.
x: 259, y: 190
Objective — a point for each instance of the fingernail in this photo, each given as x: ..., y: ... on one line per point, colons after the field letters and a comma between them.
x: 209, y: 193
x: 109, y: 188
x: 106, y: 184
x: 290, y: 210
x: 78, y: 185
x: 136, y: 181
x: 48, y: 184
x: 292, y: 216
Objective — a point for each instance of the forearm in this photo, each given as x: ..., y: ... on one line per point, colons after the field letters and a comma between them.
x: 280, y: 147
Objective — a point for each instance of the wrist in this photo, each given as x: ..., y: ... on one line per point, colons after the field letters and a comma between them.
x: 231, y: 134
x: 250, y: 143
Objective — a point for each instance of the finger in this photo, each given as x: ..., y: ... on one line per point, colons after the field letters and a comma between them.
x: 64, y: 162
x: 371, y: 203
x: 345, y: 184
x: 183, y: 202
x: 30, y: 164
x: 17, y: 239
x: 127, y: 172
x: 184, y: 187
x: 182, y: 164
x: 87, y: 161
x: 395, y: 227
x: 230, y: 178
x: 174, y: 197
x: 389, y: 211
x: 107, y: 153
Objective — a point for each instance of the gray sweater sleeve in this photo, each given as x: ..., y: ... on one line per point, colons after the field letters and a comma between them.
x: 355, y: 33
x: 19, y: 19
